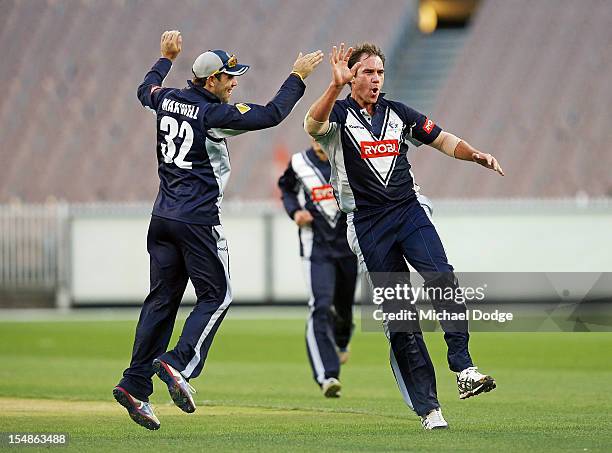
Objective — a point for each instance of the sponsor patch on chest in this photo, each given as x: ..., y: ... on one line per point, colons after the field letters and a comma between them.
x: 320, y: 193
x: 379, y: 148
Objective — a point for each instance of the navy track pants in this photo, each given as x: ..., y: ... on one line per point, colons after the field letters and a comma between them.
x: 383, y: 240
x: 178, y: 252
x: 331, y: 284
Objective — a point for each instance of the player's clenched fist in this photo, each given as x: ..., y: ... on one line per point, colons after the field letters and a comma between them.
x: 171, y: 44
x: 302, y: 217
x: 305, y: 64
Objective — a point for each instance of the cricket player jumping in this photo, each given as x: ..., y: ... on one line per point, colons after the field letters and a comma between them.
x: 185, y: 239
x: 366, y: 137
x: 330, y: 266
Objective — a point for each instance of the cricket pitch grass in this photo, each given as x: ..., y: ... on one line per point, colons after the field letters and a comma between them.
x: 256, y: 392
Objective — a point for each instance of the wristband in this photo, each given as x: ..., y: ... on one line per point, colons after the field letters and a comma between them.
x: 299, y: 75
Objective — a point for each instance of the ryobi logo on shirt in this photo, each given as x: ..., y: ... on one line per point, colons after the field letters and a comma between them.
x: 380, y: 148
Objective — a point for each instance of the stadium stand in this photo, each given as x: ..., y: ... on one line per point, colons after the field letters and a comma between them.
x: 532, y: 86
x: 416, y: 77
x: 72, y: 128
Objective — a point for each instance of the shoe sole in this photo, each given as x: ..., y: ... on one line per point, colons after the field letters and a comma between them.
x: 436, y: 427
x: 333, y: 391
x: 487, y: 385
x: 181, y: 400
x: 124, y: 399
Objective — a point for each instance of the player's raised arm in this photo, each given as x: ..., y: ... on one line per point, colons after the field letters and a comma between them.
x: 150, y: 89
x: 317, y: 118
x: 460, y: 149
x: 249, y: 117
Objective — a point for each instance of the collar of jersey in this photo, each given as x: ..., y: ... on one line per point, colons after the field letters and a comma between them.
x: 204, y: 92
x: 353, y: 103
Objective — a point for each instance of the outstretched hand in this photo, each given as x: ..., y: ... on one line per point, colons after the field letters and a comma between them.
x: 171, y: 44
x: 487, y: 161
x: 305, y: 64
x: 341, y: 73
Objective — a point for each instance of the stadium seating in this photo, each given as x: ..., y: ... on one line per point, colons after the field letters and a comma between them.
x: 532, y: 87
x: 72, y: 127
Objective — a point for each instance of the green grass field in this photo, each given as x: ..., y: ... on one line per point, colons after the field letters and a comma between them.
x: 256, y: 393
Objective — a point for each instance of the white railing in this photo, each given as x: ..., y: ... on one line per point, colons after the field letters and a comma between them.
x: 95, y: 253
x: 32, y: 243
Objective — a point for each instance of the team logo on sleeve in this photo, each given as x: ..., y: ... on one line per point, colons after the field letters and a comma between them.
x: 243, y: 108
x: 428, y: 125
x: 380, y: 148
x: 320, y: 193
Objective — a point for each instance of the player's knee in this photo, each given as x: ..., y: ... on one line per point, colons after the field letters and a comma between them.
x: 322, y: 311
x: 441, y: 280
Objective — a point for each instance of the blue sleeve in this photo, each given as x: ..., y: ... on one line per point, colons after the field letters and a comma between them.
x: 150, y: 90
x: 338, y: 114
x: 419, y: 127
x: 251, y: 117
x: 289, y: 187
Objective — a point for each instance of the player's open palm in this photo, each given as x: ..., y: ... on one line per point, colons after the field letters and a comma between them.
x: 488, y: 161
x: 305, y: 64
x: 341, y: 73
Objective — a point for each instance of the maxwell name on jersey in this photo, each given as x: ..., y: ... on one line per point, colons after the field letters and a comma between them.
x: 190, y: 111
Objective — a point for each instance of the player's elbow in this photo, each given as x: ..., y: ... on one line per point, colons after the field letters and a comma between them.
x: 315, y: 128
x: 274, y: 116
x: 275, y: 121
x: 446, y: 143
x: 309, y: 129
x: 142, y: 91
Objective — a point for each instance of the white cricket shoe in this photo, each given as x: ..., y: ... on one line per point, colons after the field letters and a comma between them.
x: 471, y: 382
x: 434, y: 420
x: 331, y: 388
x: 140, y: 411
x: 180, y: 390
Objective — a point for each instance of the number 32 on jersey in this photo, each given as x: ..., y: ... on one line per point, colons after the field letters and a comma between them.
x: 173, y: 130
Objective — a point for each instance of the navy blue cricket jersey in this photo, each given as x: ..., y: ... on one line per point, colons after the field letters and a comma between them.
x: 368, y: 155
x: 305, y: 185
x: 192, y: 155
